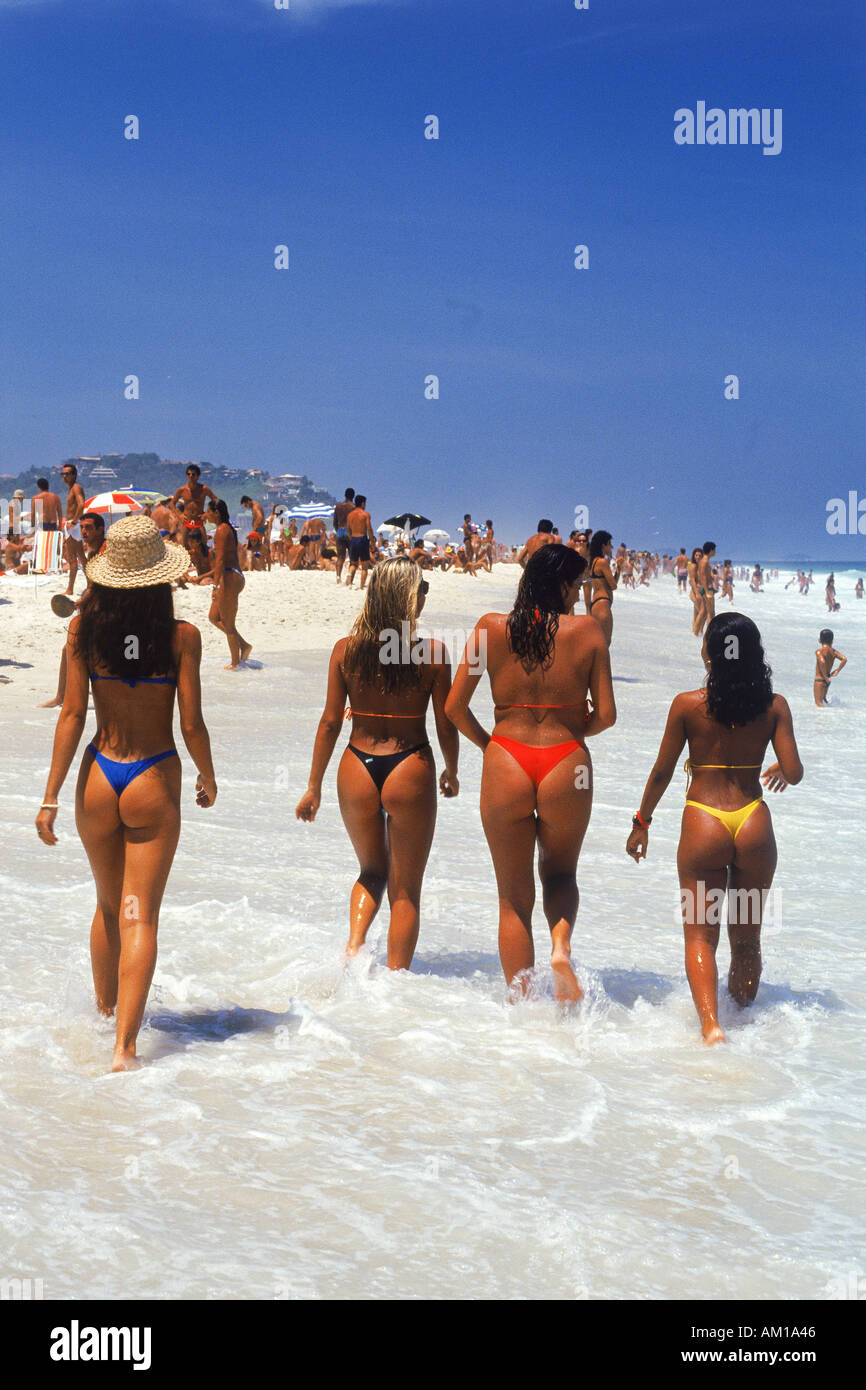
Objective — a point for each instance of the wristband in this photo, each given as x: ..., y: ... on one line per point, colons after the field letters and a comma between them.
x: 638, y: 820
x: 49, y: 806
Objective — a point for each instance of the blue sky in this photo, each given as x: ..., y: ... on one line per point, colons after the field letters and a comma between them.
x: 558, y: 387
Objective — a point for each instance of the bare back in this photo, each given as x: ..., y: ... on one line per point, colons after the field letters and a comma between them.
x: 580, y: 661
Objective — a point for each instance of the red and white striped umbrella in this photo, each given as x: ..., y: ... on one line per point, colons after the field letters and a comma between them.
x: 121, y: 503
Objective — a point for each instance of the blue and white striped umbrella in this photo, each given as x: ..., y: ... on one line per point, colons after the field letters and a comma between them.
x: 308, y: 509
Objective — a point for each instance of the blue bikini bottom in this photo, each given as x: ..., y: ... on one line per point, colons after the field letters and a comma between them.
x: 119, y: 775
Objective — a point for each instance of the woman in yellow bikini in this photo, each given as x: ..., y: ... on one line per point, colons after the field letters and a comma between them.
x: 727, y: 847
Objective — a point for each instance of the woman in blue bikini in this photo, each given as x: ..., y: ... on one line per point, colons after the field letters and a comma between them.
x: 727, y: 847
x: 126, y: 641
x: 386, y: 781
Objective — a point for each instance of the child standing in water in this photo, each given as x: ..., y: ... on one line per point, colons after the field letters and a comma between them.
x: 825, y: 655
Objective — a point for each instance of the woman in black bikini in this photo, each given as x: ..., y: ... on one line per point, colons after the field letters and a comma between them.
x: 536, y: 786
x: 228, y: 581
x: 386, y: 781
x: 126, y: 640
x: 603, y: 580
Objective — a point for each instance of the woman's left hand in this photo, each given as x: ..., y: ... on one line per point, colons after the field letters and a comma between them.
x: 45, y: 826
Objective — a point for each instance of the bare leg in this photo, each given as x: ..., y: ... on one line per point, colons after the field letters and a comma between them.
x: 563, y: 816
x: 409, y: 800
x: 705, y: 851
x: 508, y: 817
x: 148, y: 817
x: 364, y: 820
x: 750, y: 879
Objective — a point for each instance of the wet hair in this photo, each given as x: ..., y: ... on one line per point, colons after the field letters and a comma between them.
x: 708, y: 546
x: 545, y: 526
x: 96, y: 517
x: 391, y: 600
x: 110, y: 617
x: 42, y: 484
x: 739, y: 685
x: 598, y: 542
x: 533, y: 622
x: 825, y: 635
x: 194, y: 468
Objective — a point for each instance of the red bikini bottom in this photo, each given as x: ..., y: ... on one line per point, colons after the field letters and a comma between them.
x: 537, y: 762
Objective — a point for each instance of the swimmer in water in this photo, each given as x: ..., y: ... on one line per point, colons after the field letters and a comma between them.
x: 386, y: 781
x: 127, y: 803
x: 825, y: 655
x: 727, y: 847
x: 536, y: 784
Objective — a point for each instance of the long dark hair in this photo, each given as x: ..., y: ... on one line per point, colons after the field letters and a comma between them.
x: 111, y: 618
x: 739, y: 685
x: 534, y: 620
x: 599, y: 540
x: 222, y: 511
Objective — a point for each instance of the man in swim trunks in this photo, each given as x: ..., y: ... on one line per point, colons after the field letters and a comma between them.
x: 360, y: 529
x: 73, y: 549
x: 468, y: 530
x: 341, y: 514
x: 825, y: 655
x: 93, y: 540
x: 45, y: 509
x: 194, y: 494
x: 314, y: 531
x: 543, y: 536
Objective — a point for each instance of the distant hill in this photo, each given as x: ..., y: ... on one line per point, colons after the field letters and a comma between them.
x: 109, y: 472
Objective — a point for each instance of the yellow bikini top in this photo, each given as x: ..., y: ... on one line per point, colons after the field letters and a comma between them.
x: 690, y: 768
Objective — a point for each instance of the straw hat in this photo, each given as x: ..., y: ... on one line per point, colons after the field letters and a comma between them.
x: 136, y: 556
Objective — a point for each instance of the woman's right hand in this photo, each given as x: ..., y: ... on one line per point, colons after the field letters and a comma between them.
x: 205, y: 791
x: 308, y: 805
x: 774, y: 779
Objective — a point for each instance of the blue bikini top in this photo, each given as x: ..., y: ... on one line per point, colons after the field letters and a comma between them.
x: 142, y: 680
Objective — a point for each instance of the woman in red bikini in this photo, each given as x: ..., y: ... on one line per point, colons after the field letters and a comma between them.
x: 536, y: 786
x: 126, y: 641
x: 727, y: 848
x: 386, y: 782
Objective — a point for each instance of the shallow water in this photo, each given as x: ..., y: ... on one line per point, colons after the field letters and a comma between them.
x: 302, y: 1130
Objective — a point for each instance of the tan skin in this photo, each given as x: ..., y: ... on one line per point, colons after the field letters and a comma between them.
x: 534, y: 543
x: 130, y: 840
x: 227, y: 588
x: 358, y: 524
x: 74, y: 510
x: 93, y: 539
x: 699, y: 616
x: 708, y: 854
x: 516, y: 816
x: 825, y: 655
x: 391, y: 836
x: 46, y: 508
x: 603, y: 580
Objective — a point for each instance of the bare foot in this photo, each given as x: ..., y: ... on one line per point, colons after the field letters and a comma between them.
x: 50, y: 704
x: 125, y: 1061
x: 713, y: 1034
x: 566, y: 986
x: 245, y: 650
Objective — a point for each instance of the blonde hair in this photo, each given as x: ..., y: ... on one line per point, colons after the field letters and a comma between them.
x: 391, y: 600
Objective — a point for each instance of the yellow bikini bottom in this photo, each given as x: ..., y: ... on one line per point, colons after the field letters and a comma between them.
x: 731, y: 820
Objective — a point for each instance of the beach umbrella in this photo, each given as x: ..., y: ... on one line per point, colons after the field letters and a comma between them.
x: 308, y: 509
x: 436, y: 537
x: 408, y: 521
x: 119, y: 503
x: 386, y: 529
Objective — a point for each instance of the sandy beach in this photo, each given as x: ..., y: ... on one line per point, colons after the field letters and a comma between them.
x: 302, y: 1130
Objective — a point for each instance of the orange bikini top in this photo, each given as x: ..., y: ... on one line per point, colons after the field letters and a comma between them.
x: 377, y: 714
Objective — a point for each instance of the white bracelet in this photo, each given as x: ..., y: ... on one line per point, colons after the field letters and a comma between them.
x: 49, y: 806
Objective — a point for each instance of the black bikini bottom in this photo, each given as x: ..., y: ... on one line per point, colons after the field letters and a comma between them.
x: 381, y: 765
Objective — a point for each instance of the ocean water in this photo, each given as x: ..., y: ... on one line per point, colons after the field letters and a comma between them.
x: 303, y: 1130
